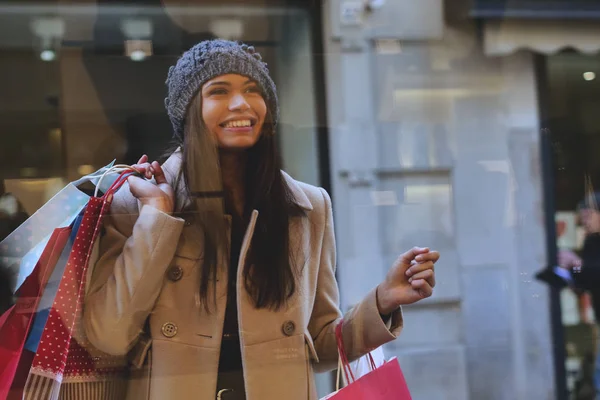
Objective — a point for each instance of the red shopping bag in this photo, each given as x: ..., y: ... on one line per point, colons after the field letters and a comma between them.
x: 59, y: 355
x: 16, y: 322
x: 38, y: 322
x: 383, y: 383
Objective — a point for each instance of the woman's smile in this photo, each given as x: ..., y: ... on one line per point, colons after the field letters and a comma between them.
x: 234, y: 110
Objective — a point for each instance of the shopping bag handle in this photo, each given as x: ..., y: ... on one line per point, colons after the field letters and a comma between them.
x: 344, y: 357
x: 121, y: 179
x: 93, y: 176
x: 119, y: 168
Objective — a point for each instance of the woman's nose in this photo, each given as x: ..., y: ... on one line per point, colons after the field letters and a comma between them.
x: 238, y: 102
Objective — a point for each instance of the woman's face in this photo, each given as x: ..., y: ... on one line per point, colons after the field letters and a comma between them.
x: 233, y: 110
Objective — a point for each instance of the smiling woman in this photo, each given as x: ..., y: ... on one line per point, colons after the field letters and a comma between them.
x: 233, y: 110
x: 234, y: 303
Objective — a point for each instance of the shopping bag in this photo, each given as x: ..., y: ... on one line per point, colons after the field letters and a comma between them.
x: 50, y: 291
x: 363, y: 365
x: 61, y: 358
x: 22, y: 248
x: 40, y: 317
x: 384, y: 382
x: 16, y: 322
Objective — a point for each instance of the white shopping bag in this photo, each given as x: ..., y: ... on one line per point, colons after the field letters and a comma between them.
x: 21, y: 250
x: 362, y: 366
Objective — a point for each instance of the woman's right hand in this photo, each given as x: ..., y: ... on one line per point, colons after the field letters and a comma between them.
x: 160, y: 195
x: 568, y: 259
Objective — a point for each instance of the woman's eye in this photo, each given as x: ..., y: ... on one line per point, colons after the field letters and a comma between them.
x: 217, y: 91
x: 253, y: 89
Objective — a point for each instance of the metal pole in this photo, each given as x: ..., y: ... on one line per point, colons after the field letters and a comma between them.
x: 547, y: 161
x: 558, y: 337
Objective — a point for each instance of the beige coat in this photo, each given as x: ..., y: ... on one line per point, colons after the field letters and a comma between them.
x: 148, y: 271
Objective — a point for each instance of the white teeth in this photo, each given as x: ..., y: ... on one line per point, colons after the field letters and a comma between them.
x: 238, y: 124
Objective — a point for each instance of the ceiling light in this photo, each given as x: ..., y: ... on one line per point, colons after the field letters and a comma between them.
x: 48, y: 55
x: 137, y: 55
x: 138, y: 50
x: 49, y: 33
x: 589, y: 76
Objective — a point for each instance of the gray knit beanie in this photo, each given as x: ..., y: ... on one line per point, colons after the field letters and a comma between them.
x: 207, y: 60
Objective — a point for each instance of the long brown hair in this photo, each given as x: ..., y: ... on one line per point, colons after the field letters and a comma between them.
x: 269, y: 276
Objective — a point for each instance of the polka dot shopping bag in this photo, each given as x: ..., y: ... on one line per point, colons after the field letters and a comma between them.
x: 65, y: 365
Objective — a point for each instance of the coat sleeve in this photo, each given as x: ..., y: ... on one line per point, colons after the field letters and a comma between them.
x: 364, y: 330
x: 589, y: 276
x: 135, y: 251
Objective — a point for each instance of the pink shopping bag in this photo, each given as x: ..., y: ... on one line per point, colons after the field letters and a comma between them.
x: 383, y: 383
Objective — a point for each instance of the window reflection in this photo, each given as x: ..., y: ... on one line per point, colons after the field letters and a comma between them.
x: 423, y: 120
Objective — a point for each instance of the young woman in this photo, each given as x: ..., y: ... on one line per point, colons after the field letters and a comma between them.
x: 225, y: 261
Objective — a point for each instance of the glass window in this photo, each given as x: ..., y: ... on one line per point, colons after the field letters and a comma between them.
x: 464, y: 128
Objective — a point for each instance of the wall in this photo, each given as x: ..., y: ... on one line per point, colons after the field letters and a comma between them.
x: 433, y: 144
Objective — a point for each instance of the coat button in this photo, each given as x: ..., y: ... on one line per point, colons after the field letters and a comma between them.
x: 189, y: 221
x: 169, y: 329
x: 288, y: 328
x: 175, y: 273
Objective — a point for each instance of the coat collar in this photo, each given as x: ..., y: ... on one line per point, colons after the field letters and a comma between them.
x: 172, y: 166
x: 300, y: 198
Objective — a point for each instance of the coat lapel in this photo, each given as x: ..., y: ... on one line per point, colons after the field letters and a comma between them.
x: 299, y: 196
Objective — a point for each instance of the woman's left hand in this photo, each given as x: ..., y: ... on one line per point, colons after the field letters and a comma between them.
x: 410, y: 279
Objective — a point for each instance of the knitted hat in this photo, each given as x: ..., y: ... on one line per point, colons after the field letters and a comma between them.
x: 207, y: 60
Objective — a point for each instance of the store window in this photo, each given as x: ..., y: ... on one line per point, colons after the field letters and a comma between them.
x: 571, y: 103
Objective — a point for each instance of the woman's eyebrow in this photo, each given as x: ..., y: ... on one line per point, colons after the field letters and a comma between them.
x: 218, y: 83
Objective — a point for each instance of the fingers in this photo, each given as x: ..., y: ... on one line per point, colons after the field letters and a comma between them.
x: 433, y: 256
x: 148, y: 170
x: 144, y: 169
x: 427, y: 275
x: 132, y: 179
x: 422, y: 287
x: 563, y: 261
x: 567, y: 261
x: 134, y: 182
x: 412, y: 254
x: 159, y: 175
x: 419, y: 267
